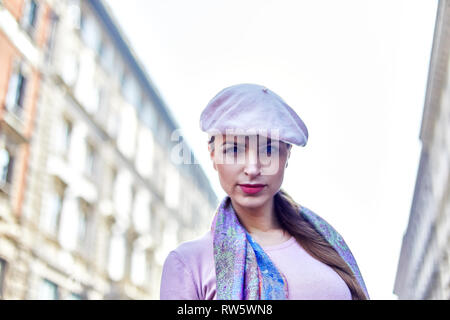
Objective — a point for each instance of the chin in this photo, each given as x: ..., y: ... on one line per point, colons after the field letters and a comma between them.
x: 251, y: 201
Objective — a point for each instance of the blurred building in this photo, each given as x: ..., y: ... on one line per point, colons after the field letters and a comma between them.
x: 93, y: 188
x: 424, y: 264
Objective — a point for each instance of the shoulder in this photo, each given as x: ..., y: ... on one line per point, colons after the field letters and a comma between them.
x: 195, y: 250
x: 183, y: 269
x: 194, y: 256
x: 335, y: 240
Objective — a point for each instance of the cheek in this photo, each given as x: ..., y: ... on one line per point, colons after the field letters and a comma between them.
x: 274, y: 167
x: 226, y: 172
x: 277, y: 178
x: 275, y: 174
x: 228, y: 175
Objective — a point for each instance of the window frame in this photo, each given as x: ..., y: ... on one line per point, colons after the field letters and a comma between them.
x: 51, y: 36
x: 17, y: 107
x: 3, y: 269
x: 11, y: 148
x: 30, y: 27
x: 59, y: 189
x: 90, y: 160
x: 49, y: 282
x: 84, y: 215
x: 7, y: 180
x: 68, y: 131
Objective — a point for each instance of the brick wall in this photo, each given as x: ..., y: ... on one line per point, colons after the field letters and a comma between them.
x: 15, y: 7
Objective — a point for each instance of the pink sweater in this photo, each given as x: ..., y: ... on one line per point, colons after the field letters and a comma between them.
x: 189, y: 272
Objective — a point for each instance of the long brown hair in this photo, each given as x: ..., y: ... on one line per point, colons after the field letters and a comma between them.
x: 287, y: 211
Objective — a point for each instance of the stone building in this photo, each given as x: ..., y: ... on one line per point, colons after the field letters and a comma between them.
x: 97, y: 186
x: 424, y: 265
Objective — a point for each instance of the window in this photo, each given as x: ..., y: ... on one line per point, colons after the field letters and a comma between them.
x: 172, y: 192
x: 104, y: 99
x: 90, y: 32
x: 107, y: 57
x: 109, y: 187
x: 123, y: 196
x: 47, y: 290
x: 113, y: 125
x: 68, y: 226
x: 170, y: 233
x: 101, y: 46
x: 70, y: 68
x: 51, y: 36
x: 74, y: 224
x: 141, y: 211
x: 144, y: 152
x: 87, y: 90
x: 2, y: 275
x: 74, y: 14
x: 149, y: 116
x: 74, y: 296
x: 29, y: 19
x: 102, y: 104
x: 117, y: 255
x: 90, y: 160
x: 63, y: 136
x: 131, y: 91
x: 15, y: 97
x: 96, y: 101
x: 82, y: 226
x: 66, y: 135
x: 119, y: 70
x: 51, y: 212
x: 6, y: 166
x: 126, y: 140
x: 165, y: 134
x: 138, y: 264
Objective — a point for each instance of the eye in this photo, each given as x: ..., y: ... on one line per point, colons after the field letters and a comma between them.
x: 270, y: 149
x: 233, y: 149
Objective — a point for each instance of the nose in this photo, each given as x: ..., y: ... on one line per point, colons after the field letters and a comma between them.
x: 252, y: 164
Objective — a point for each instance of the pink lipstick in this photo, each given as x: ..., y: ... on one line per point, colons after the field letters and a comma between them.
x: 252, y: 188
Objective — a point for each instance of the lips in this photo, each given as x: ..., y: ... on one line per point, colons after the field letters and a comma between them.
x: 252, y: 188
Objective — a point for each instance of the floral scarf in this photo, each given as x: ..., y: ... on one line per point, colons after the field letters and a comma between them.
x: 245, y: 272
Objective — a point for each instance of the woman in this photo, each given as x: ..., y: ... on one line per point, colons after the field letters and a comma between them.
x: 262, y: 244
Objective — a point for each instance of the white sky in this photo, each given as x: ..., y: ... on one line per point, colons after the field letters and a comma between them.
x: 355, y: 72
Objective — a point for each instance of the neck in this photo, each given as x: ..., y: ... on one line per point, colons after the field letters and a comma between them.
x: 257, y: 220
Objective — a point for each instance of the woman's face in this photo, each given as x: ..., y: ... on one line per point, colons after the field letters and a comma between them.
x: 250, y: 168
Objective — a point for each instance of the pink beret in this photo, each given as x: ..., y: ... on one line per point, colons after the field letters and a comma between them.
x: 253, y: 107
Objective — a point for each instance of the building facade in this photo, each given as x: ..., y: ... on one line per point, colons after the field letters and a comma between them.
x: 95, y: 193
x: 424, y: 265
